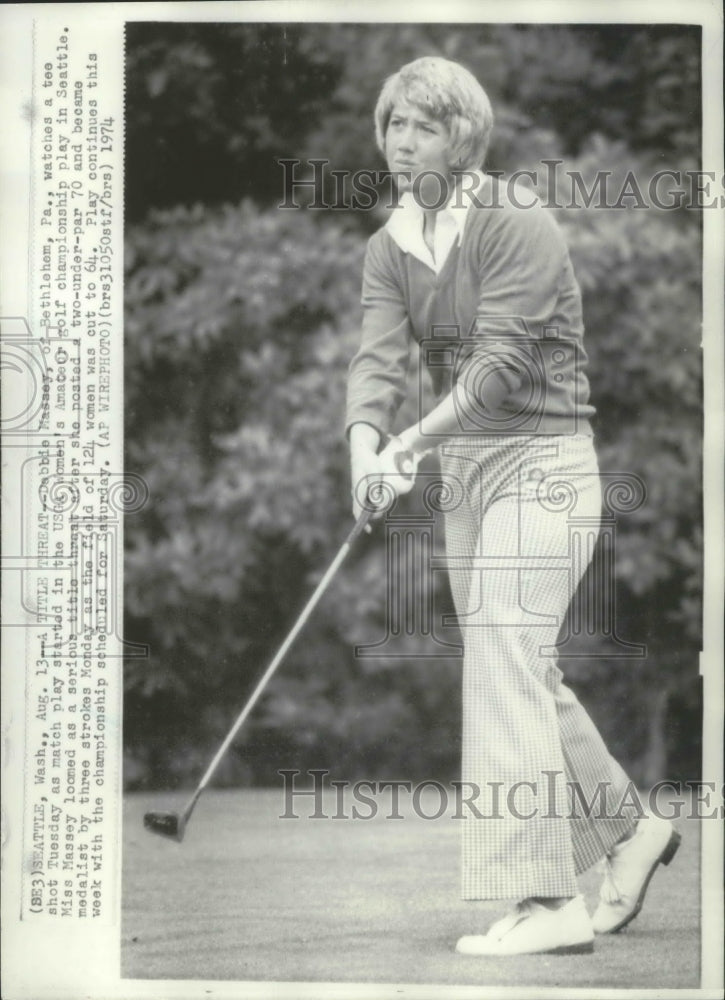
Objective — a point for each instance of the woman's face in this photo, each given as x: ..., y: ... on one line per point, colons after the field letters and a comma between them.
x: 416, y: 143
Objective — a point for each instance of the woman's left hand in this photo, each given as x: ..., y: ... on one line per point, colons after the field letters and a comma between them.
x: 398, y: 466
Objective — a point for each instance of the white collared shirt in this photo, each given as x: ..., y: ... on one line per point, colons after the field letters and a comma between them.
x: 405, y: 225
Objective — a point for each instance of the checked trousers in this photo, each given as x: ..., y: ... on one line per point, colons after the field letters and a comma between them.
x: 526, y: 738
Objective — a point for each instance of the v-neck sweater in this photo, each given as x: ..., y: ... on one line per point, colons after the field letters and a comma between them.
x: 506, y: 301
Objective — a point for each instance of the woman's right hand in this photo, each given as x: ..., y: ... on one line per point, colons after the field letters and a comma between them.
x: 378, y: 479
x: 366, y: 474
x: 364, y: 463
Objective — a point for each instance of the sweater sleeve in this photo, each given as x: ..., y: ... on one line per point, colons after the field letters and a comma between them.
x: 377, y: 375
x: 522, y: 255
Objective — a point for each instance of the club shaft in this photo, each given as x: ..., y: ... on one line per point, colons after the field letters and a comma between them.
x: 320, y: 589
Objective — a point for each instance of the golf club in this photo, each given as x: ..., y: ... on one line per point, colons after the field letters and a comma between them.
x: 173, y: 825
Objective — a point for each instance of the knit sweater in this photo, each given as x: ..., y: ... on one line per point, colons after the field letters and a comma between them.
x: 504, y: 302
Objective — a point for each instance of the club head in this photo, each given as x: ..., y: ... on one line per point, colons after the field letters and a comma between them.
x: 165, y: 824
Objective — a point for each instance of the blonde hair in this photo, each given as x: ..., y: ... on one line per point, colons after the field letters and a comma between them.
x: 449, y: 93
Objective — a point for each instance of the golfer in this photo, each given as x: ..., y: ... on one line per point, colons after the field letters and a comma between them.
x: 477, y: 274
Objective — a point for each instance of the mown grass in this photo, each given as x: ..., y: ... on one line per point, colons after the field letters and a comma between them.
x: 250, y: 896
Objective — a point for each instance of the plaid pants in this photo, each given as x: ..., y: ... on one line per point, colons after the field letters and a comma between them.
x: 526, y: 737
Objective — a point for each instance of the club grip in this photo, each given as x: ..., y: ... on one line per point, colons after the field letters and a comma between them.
x: 359, y: 526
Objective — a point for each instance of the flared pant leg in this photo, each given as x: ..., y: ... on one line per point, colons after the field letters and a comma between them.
x: 526, y: 738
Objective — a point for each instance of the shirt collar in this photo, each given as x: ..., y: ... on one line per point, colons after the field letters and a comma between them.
x: 405, y: 224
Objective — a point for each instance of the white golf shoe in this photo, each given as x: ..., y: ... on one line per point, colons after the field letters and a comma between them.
x: 630, y: 866
x: 533, y: 928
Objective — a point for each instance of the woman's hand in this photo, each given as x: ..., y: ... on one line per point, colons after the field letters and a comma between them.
x: 364, y: 463
x: 366, y: 474
x: 378, y: 479
x: 399, y: 465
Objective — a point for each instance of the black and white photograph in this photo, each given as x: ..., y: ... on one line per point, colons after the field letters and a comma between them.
x: 384, y: 657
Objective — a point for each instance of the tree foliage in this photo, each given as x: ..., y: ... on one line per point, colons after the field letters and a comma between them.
x: 241, y: 320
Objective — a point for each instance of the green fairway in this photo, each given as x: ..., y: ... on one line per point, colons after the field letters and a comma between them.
x: 249, y: 896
